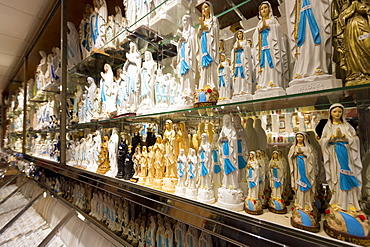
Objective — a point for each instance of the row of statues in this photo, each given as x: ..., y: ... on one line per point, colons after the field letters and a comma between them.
x: 222, y: 166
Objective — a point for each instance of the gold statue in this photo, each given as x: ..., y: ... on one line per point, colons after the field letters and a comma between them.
x: 103, y: 160
x: 351, y: 39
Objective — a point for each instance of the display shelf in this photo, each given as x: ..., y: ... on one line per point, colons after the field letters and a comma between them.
x: 237, y: 227
x: 319, y: 100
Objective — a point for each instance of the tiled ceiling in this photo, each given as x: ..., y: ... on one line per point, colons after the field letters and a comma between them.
x: 20, y: 20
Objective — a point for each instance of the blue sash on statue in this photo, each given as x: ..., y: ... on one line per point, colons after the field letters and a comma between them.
x: 94, y: 35
x: 241, y: 161
x: 102, y: 94
x: 52, y: 71
x: 167, y: 244
x: 159, y: 240
x: 346, y: 179
x: 145, y: 89
x: 251, y: 183
x: 238, y: 65
x: 216, y: 167
x: 191, y: 166
x: 191, y: 241
x: 304, y: 184
x: 157, y: 93
x: 204, y: 170
x: 85, y: 42
x: 180, y: 239
x: 206, y: 58
x: 265, y: 53
x: 222, y: 79
x: 228, y: 167
x: 306, y: 13
x: 184, y: 67
x: 276, y: 183
x: 180, y: 166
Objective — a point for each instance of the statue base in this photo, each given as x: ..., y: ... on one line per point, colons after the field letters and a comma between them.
x: 231, y: 199
x: 276, y: 211
x: 191, y: 193
x: 277, y: 206
x: 253, y: 206
x: 223, y: 101
x: 305, y: 220
x: 180, y: 191
x: 365, y: 241
x: 149, y: 182
x: 241, y: 98
x: 206, y: 195
x: 157, y: 183
x: 142, y: 181
x: 169, y: 185
x: 269, y: 92
x: 312, y: 84
x: 349, y: 226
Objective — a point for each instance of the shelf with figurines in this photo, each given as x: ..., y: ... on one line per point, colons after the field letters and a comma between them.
x: 194, y: 166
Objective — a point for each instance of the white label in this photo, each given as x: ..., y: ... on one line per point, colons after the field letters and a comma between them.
x: 304, y: 185
x: 226, y: 156
x: 346, y: 172
x: 276, y: 179
x: 250, y: 180
x: 305, y: 8
x: 364, y: 36
x: 238, y: 65
x: 265, y: 47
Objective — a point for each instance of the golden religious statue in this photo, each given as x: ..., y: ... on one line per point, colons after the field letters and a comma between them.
x: 351, y: 40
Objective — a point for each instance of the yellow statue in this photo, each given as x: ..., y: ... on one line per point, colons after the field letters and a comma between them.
x: 103, y: 159
x: 351, y: 39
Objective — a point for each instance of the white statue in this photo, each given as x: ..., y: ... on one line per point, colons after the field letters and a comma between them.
x: 187, y: 56
x: 91, y: 94
x: 147, y: 80
x: 253, y: 176
x: 341, y: 151
x: 309, y: 32
x: 277, y: 178
x: 242, y: 65
x: 180, y: 233
x: 74, y: 51
x: 110, y: 33
x: 182, y: 168
x: 143, y: 8
x: 267, y: 40
x: 113, y: 152
x: 208, y: 35
x: 85, y: 36
x: 108, y: 90
x: 130, y: 13
x: 225, y: 80
x: 192, y: 178
x: 205, y: 191
x: 228, y: 147
x: 102, y: 20
x: 132, y: 70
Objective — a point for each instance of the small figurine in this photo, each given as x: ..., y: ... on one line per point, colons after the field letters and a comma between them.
x: 182, y: 167
x: 205, y: 191
x: 276, y: 173
x: 103, y: 162
x: 129, y: 165
x: 252, y: 203
x: 192, y: 178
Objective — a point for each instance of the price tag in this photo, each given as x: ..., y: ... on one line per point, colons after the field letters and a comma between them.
x: 276, y: 179
x: 346, y: 172
x: 304, y: 185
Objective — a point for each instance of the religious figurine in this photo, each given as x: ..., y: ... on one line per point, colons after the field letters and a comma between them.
x: 136, y: 158
x: 91, y: 93
x: 159, y: 162
x: 192, y: 178
x: 102, y: 19
x: 242, y: 67
x: 182, y: 167
x: 242, y: 152
x: 191, y: 237
x: 130, y: 12
x: 151, y: 164
x: 187, y: 57
x: 205, y: 240
x: 147, y: 83
x: 205, y: 191
x: 208, y: 35
x: 309, y: 34
x: 143, y: 163
x: 180, y: 233
x: 182, y: 139
x: 230, y: 195
x: 350, y: 40
x: 103, y: 162
x: 263, y: 169
x: 276, y: 173
x: 225, y: 80
x: 170, y: 179
x: 132, y: 69
x: 122, y: 153
x: 341, y: 151
x: 74, y: 51
x: 168, y: 234
x: 84, y: 32
x: 160, y: 231
x: 129, y: 165
x: 122, y: 94
x: 110, y: 34
x: 303, y: 164
x: 108, y: 92
x: 253, y: 204
x: 216, y: 166
x: 268, y: 46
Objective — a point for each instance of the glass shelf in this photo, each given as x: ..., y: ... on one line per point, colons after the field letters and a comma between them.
x: 319, y: 100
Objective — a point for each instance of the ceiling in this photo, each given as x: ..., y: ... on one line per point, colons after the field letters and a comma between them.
x: 20, y: 21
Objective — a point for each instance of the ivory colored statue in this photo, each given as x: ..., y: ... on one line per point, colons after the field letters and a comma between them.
x: 143, y: 165
x: 252, y: 203
x: 113, y: 152
x: 230, y: 195
x: 262, y: 177
x: 242, y: 65
x: 216, y: 165
x: 341, y: 151
x: 208, y: 35
x: 303, y: 164
x: 268, y: 40
x: 182, y: 138
x: 169, y: 143
x: 147, y: 82
x: 159, y: 162
x: 205, y: 191
x: 276, y: 173
x: 180, y: 232
x: 132, y: 70
x: 187, y: 56
x: 108, y: 92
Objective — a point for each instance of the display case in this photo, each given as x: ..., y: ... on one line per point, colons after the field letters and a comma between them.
x: 127, y: 91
